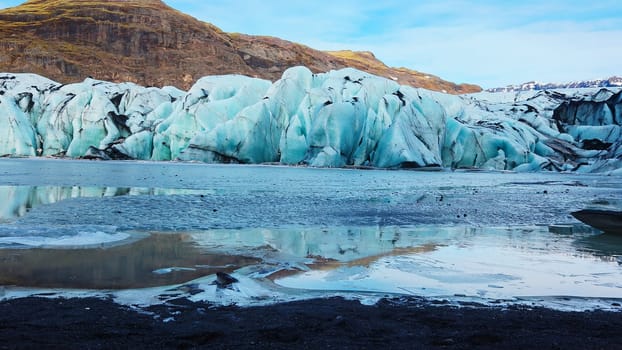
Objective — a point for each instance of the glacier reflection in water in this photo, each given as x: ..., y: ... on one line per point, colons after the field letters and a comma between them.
x: 483, y: 262
x: 18, y: 200
x: 503, y: 262
x: 433, y: 261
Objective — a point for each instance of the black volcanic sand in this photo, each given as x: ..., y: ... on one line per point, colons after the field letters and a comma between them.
x: 322, y: 323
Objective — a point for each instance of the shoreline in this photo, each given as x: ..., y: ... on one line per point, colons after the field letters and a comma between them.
x: 316, y: 323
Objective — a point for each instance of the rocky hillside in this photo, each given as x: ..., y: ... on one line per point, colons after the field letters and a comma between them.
x: 366, y: 61
x: 150, y: 43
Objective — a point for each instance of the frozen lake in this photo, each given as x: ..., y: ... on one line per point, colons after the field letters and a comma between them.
x: 143, y: 232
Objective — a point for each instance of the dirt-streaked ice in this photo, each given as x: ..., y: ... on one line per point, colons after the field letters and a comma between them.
x: 335, y: 119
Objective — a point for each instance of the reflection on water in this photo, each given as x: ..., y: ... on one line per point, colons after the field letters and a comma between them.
x: 433, y: 260
x: 18, y: 200
x: 502, y: 262
x: 606, y: 245
x: 588, y: 240
x: 572, y: 229
x: 429, y: 260
x: 159, y: 259
x: 494, y: 235
x: 484, y: 262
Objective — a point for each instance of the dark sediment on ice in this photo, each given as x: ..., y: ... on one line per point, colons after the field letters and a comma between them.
x: 321, y: 323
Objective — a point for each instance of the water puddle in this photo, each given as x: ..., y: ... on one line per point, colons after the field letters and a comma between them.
x: 498, y: 263
x: 290, y: 242
x: 137, y: 262
x: 292, y: 263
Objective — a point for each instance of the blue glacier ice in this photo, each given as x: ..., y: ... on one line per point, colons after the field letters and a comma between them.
x: 335, y: 119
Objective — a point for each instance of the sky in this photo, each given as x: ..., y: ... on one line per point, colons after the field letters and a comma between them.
x: 491, y: 43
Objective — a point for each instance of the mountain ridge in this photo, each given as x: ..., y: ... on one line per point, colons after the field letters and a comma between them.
x: 613, y: 81
x: 151, y: 43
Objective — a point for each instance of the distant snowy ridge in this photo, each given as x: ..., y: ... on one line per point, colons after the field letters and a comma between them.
x: 534, y: 85
x: 335, y: 119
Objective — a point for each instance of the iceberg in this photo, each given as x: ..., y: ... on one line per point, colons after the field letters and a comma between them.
x: 336, y: 119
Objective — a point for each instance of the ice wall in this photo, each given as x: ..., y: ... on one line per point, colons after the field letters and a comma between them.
x: 335, y: 119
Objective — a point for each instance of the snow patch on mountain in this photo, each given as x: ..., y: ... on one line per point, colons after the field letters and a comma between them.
x: 534, y: 85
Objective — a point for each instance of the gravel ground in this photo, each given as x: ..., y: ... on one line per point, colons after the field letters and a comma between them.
x: 89, y: 323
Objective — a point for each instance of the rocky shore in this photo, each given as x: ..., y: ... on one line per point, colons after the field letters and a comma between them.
x: 89, y: 323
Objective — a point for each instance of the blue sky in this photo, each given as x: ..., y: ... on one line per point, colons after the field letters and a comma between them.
x: 486, y: 42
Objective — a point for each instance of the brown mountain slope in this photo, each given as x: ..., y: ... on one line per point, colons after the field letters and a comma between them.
x: 150, y: 43
x: 366, y: 61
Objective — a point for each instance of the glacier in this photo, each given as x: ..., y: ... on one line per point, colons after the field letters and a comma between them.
x: 341, y: 118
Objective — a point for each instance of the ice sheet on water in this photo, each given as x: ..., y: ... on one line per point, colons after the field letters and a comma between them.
x: 371, y: 232
x: 66, y: 236
x: 235, y: 196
